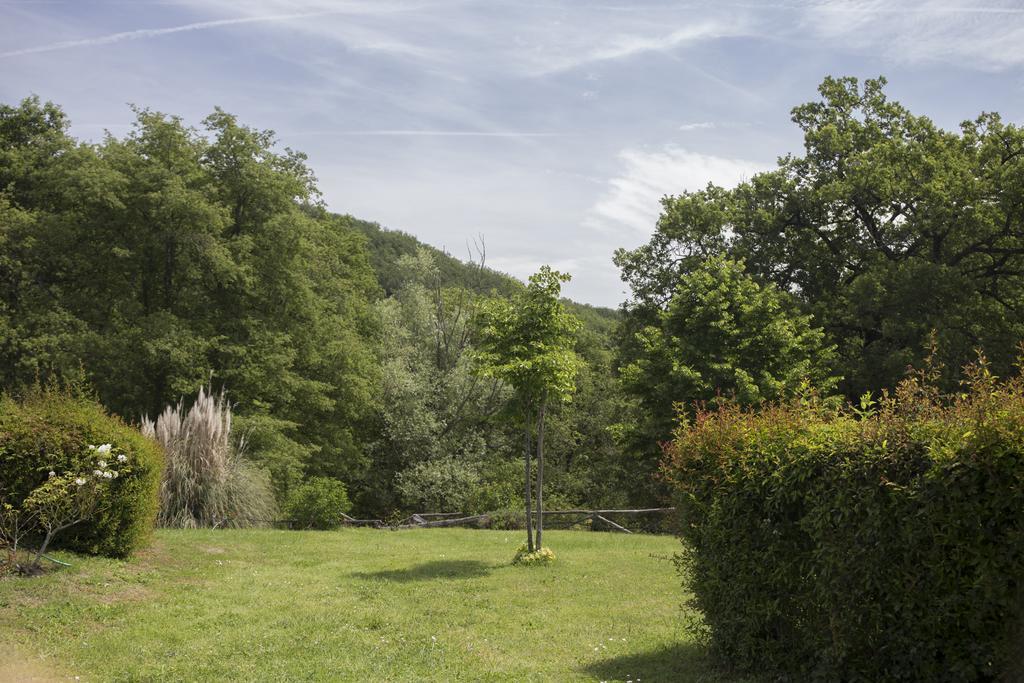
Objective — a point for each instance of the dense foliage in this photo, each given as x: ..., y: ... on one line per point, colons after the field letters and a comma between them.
x: 722, y: 335
x: 153, y: 261
x: 883, y: 543
x: 389, y: 248
x: 885, y: 229
x: 52, y: 431
x: 436, y: 417
x: 318, y: 503
x: 150, y: 265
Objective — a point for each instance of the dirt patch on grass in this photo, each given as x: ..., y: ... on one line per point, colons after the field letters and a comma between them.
x: 17, y: 667
x: 212, y: 550
x: 153, y: 556
x: 122, y: 593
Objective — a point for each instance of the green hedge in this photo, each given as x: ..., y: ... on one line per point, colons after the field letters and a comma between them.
x: 318, y: 503
x: 51, y: 431
x: 880, y: 543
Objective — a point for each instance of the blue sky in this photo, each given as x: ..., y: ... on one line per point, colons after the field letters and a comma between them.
x: 550, y: 128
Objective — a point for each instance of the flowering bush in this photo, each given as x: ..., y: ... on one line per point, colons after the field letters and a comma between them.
x: 59, y: 503
x: 51, y: 431
x: 537, y: 557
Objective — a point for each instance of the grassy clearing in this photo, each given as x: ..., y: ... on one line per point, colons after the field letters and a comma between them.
x: 433, y: 604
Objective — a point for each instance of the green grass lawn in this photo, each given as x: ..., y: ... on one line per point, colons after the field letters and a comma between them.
x: 422, y: 605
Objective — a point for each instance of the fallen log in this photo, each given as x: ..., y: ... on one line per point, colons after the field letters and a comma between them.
x: 446, y: 522
x: 605, y: 512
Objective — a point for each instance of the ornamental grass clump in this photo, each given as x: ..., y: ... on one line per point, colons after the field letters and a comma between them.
x: 879, y: 542
x: 207, y: 481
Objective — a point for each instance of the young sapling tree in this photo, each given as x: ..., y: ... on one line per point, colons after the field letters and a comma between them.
x: 527, y: 342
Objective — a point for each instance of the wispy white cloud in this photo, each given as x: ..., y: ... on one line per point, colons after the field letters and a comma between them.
x: 141, y: 34
x: 522, y: 120
x: 615, y: 46
x: 987, y: 35
x: 631, y: 199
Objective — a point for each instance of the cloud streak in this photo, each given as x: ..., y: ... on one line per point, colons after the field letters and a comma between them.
x: 141, y: 34
x: 922, y: 31
x: 624, y: 46
x: 703, y: 125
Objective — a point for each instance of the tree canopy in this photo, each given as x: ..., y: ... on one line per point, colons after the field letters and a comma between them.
x: 886, y: 228
x: 152, y: 262
x: 148, y: 265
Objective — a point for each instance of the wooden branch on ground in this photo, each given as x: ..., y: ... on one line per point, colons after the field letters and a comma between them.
x: 612, y: 524
x: 580, y: 520
x: 446, y: 522
x: 606, y: 512
x: 364, y: 522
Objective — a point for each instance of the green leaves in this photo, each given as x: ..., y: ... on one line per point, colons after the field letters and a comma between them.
x: 883, y: 542
x: 886, y: 228
x: 168, y: 256
x: 527, y: 340
x: 721, y: 336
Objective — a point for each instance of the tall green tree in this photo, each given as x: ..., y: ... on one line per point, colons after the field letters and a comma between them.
x: 527, y: 341
x: 721, y: 335
x: 886, y: 228
x: 154, y: 261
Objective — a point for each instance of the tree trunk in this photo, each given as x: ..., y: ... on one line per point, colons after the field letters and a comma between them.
x: 42, y: 549
x: 526, y: 479
x: 540, y: 474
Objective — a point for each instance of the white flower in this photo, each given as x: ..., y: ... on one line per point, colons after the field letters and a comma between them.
x: 52, y: 474
x: 102, y: 463
x: 107, y: 475
x: 91, y: 447
x: 115, y: 475
x: 97, y: 473
x: 80, y: 481
x: 121, y: 457
x: 105, y: 448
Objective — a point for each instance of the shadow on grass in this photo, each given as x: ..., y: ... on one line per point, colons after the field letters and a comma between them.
x: 438, y: 569
x: 682, y: 663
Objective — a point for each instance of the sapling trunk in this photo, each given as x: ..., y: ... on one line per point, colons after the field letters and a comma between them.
x: 540, y: 474
x: 526, y: 479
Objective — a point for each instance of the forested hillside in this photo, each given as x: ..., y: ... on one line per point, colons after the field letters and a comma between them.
x: 142, y: 267
x: 387, y: 247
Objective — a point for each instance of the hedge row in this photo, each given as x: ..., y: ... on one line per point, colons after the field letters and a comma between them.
x: 51, y: 431
x: 880, y: 543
